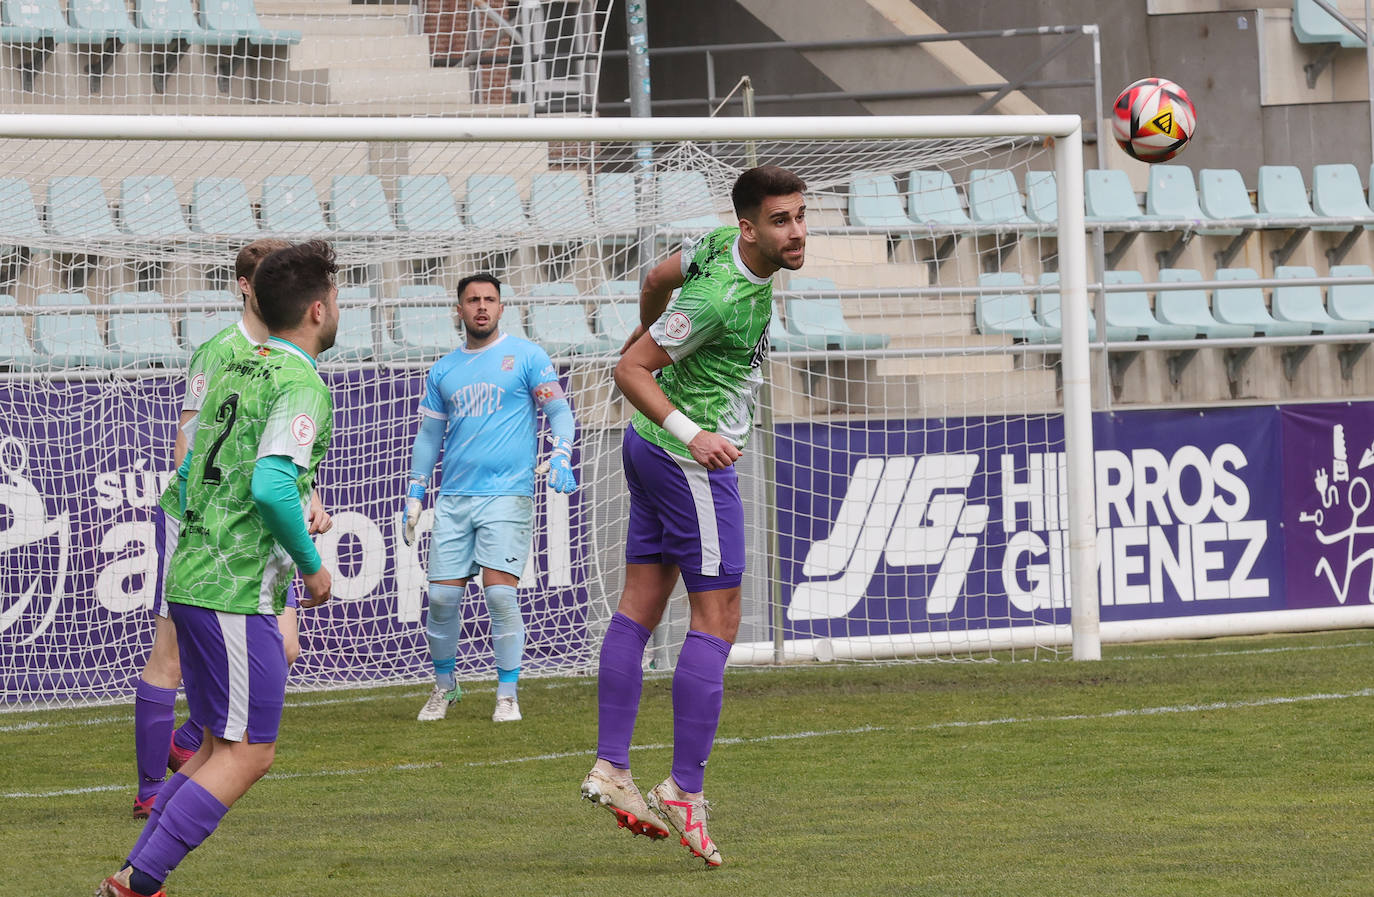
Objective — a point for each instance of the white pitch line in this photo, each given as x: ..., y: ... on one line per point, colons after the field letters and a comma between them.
x: 781, y: 736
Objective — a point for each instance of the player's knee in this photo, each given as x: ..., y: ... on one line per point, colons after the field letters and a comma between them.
x: 444, y: 602
x: 504, y: 607
x: 259, y: 760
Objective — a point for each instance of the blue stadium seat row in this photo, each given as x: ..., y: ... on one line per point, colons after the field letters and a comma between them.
x: 154, y: 23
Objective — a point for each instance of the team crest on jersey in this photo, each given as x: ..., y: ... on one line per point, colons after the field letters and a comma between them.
x: 508, y: 363
x: 197, y: 385
x: 677, y: 326
x: 303, y: 429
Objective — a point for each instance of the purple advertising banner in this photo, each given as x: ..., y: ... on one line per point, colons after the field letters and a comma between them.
x: 81, y: 467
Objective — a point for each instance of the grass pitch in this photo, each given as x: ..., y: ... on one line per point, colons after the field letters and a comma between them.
x: 1237, y: 766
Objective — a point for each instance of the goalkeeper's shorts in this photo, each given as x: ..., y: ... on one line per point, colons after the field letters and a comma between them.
x: 476, y: 532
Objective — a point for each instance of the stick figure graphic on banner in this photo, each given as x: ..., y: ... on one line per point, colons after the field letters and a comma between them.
x: 23, y: 506
x: 1357, y: 498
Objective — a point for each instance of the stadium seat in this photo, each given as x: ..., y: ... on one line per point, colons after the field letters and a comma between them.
x: 494, y: 203
x: 824, y: 316
x: 932, y: 199
x: 290, y: 206
x: 1222, y: 194
x: 221, y: 206
x: 1042, y: 197
x: 615, y: 321
x: 16, y: 352
x: 1131, y: 309
x: 563, y: 330
x: 875, y: 202
x: 1191, y: 308
x: 148, y: 207
x: 111, y: 17
x: 1008, y: 314
x: 354, y: 341
x: 1336, y: 193
x: 614, y: 200
x: 780, y: 339
x: 619, y: 288
x: 1355, y: 301
x: 558, y: 202
x: 145, y: 337
x: 1107, y: 196
x: 77, y: 208
x: 178, y: 18
x: 357, y: 205
x: 18, y: 215
x: 1304, y: 304
x: 686, y: 194
x: 424, y: 205
x: 69, y: 339
x: 1314, y: 25
x: 240, y: 19
x: 1049, y: 312
x: 1245, y: 305
x: 512, y: 318
x: 424, y: 332
x: 994, y: 199
x: 1282, y: 194
x: 36, y: 20
x: 197, y: 326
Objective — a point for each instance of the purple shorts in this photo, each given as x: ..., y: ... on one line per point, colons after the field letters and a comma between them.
x: 681, y: 513
x: 234, y: 669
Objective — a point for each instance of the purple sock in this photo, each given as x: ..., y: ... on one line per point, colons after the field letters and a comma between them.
x: 154, y: 712
x: 189, y: 736
x: 155, y: 815
x: 187, y: 820
x: 698, y: 690
x: 619, y: 683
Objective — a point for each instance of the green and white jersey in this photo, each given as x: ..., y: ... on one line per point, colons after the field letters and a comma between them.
x: 266, y: 400
x: 208, y: 358
x: 716, y: 333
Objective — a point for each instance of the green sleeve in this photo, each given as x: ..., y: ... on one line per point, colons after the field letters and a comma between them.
x: 279, y: 502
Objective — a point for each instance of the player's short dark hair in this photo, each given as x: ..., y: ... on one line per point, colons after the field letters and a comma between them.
x: 479, y: 278
x: 249, y: 256
x: 757, y: 184
x: 290, y: 280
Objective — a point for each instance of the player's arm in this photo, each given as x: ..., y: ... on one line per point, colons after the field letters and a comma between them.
x: 424, y: 454
x: 654, y: 294
x: 634, y: 374
x: 278, y: 501
x: 562, y: 428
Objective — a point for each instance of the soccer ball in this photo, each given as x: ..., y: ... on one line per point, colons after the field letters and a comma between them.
x: 1153, y: 120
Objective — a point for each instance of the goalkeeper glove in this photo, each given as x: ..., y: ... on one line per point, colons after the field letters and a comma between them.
x: 561, y: 477
x: 414, y: 503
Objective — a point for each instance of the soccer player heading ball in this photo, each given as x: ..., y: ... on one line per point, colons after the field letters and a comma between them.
x: 692, y: 370
x: 479, y: 407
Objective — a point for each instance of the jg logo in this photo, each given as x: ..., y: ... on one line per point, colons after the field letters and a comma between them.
x: 24, y: 527
x: 909, y: 512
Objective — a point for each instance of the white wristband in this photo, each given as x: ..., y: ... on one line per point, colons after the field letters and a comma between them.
x: 681, y: 426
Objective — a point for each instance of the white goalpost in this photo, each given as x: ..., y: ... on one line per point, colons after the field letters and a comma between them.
x: 920, y: 484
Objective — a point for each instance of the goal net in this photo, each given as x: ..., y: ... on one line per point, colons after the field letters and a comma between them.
x: 907, y: 490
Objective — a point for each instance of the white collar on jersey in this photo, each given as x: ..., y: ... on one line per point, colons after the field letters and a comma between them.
x: 496, y: 342
x: 743, y: 268
x: 246, y: 335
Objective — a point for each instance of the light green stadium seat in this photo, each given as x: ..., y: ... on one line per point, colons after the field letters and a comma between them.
x: 16, y: 352
x: 178, y: 17
x: 1042, y: 197
x: 77, y: 208
x: 112, y: 18
x: 1245, y: 305
x: 1305, y: 305
x: 148, y: 207
x: 1336, y: 192
x: 780, y: 339
x: 686, y: 194
x: 875, y: 202
x: 424, y: 205
x: 614, y: 200
x: 825, y: 317
x: 615, y: 321
x: 933, y: 200
x: 1222, y: 194
x: 354, y: 341
x: 423, y: 332
x: 494, y: 203
x: 357, y: 205
x: 1282, y: 194
x: 993, y: 197
x: 1355, y: 301
x: 221, y: 206
x: 1314, y: 25
x: 19, y: 223
x: 69, y: 339
x: 1107, y: 196
x: 558, y: 201
x: 1049, y: 312
x: 1009, y: 314
x: 199, y: 326
x: 240, y: 18
x: 1191, y: 308
x: 34, y: 20
x: 562, y: 328
x: 290, y: 206
x: 619, y: 288
x: 1172, y: 195
x: 513, y: 319
x: 143, y: 337
x: 1132, y: 309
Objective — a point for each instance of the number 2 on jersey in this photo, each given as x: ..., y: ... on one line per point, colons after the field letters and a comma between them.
x: 226, y: 414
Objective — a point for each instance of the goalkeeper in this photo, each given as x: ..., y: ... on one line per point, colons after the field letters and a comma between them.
x: 479, y: 407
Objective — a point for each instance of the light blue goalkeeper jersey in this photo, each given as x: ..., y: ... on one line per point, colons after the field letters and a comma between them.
x: 488, y: 398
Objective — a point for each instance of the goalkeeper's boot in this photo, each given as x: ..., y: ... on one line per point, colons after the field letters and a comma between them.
x: 507, y: 710
x: 144, y: 806
x: 616, y: 792
x: 440, y: 700
x: 687, y: 814
x: 117, y: 885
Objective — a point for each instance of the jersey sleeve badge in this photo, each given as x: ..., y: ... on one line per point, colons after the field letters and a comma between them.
x: 303, y: 429
x: 197, y: 384
x: 678, y: 326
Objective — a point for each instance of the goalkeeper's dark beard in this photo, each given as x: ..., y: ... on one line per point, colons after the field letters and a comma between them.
x: 474, y: 333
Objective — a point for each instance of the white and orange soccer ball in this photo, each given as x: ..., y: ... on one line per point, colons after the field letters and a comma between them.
x: 1153, y: 119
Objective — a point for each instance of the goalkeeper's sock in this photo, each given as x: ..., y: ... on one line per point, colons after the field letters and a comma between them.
x: 442, y: 629
x: 154, y: 714
x: 698, y: 691
x: 507, y: 636
x: 189, y: 736
x: 620, y: 680
x: 187, y: 820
